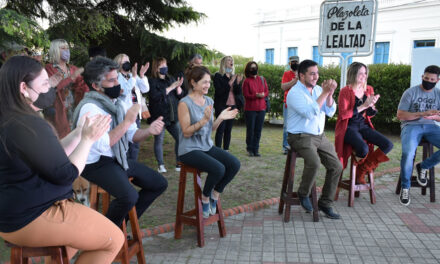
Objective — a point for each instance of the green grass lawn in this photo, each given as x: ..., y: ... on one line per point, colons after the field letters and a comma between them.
x: 259, y: 177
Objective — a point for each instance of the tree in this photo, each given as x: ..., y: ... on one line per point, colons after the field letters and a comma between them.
x: 121, y: 26
x: 17, y: 29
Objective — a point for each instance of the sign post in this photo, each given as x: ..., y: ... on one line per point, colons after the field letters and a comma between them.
x: 347, y: 26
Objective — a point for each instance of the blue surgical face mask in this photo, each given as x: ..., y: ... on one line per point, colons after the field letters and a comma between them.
x: 163, y: 70
x: 65, y: 55
x: 228, y: 70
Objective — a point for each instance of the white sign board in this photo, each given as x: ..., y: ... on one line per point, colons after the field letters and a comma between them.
x: 347, y: 26
x: 421, y: 58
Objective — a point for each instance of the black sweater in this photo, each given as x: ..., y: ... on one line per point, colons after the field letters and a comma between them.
x: 34, y: 171
x: 161, y: 103
x: 221, y: 94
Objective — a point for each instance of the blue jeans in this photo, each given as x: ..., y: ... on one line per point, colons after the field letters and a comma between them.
x: 254, y: 125
x: 285, y: 144
x: 411, y: 136
x: 220, y: 165
x: 158, y: 142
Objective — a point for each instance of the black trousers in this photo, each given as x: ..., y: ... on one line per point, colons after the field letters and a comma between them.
x: 220, y: 165
x: 109, y: 175
x: 357, y: 134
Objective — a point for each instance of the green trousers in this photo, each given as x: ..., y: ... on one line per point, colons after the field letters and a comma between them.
x: 316, y: 150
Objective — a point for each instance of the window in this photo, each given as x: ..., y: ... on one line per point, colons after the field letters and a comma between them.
x: 381, y: 52
x: 316, y: 56
x: 291, y: 51
x: 424, y: 43
x: 269, y: 56
x: 345, y: 54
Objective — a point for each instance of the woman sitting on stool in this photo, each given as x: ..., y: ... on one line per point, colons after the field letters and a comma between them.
x: 356, y: 108
x: 196, y: 148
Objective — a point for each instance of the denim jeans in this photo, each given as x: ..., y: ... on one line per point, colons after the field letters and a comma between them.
x: 285, y: 144
x: 158, y: 142
x: 220, y: 165
x: 411, y: 136
x: 254, y: 125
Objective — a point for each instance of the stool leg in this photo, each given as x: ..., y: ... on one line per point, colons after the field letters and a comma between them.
x: 399, y: 185
x: 352, y: 184
x: 315, y: 203
x: 284, y: 186
x: 220, y: 222
x: 17, y: 256
x: 65, y: 258
x: 124, y: 249
x: 372, y: 192
x: 199, y: 210
x: 290, y: 181
x: 431, y: 177
x: 178, y: 228
x: 137, y: 235
x: 425, y: 156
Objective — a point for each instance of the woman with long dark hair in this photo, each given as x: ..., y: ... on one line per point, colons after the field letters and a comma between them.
x: 36, y: 206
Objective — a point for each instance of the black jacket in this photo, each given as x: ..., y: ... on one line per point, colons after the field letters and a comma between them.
x: 221, y: 94
x: 161, y: 103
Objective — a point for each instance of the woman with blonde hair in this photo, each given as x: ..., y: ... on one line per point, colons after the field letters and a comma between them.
x: 70, y: 90
x: 227, y: 93
x: 354, y: 129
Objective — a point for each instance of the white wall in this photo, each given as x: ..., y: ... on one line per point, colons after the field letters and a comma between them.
x: 400, y: 22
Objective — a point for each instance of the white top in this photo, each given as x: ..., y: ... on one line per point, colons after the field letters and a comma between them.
x: 140, y: 85
x: 102, y: 146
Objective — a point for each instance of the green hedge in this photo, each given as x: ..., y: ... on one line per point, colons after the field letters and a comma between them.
x: 388, y: 80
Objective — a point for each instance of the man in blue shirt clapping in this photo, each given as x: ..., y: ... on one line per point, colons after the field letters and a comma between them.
x: 307, y: 105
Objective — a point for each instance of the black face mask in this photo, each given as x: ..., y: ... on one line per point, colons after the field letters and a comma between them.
x: 113, y: 92
x: 126, y: 66
x: 253, y: 71
x: 294, y: 66
x: 46, y: 100
x: 428, y: 85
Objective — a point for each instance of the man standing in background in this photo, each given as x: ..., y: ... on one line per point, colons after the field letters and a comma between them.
x: 289, y: 79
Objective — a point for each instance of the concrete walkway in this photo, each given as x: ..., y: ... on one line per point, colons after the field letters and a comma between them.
x: 385, y: 232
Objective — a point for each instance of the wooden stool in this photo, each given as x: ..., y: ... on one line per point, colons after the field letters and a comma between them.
x: 354, y: 188
x: 21, y: 255
x: 194, y: 217
x: 428, y: 151
x: 288, y: 197
x: 132, y: 246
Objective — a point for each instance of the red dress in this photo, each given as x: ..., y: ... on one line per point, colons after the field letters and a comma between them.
x: 78, y: 88
x: 346, y: 101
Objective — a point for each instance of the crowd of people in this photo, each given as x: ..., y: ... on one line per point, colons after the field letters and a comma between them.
x: 59, y: 121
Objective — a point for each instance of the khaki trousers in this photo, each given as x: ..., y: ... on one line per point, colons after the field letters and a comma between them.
x: 76, y: 226
x: 316, y: 150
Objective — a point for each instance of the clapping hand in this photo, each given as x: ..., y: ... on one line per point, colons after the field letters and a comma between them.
x: 134, y: 70
x: 132, y: 113
x: 207, y: 113
x: 228, y: 114
x: 329, y: 86
x: 94, y: 127
x: 144, y: 69
x: 77, y: 73
x: 432, y: 114
x: 55, y: 79
x: 157, y: 126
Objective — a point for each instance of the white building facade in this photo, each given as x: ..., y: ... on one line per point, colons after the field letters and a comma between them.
x: 402, y: 25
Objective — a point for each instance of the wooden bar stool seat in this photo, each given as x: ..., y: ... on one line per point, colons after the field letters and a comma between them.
x: 352, y: 187
x: 22, y: 255
x: 288, y: 197
x: 428, y: 151
x: 132, y: 246
x: 194, y: 217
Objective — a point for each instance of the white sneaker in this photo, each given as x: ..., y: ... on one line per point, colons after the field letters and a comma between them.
x: 404, y: 197
x: 177, y: 167
x: 162, y: 169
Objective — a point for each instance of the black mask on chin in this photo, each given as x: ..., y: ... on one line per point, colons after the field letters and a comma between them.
x: 126, y: 66
x: 428, y: 85
x: 113, y: 92
x: 294, y: 66
x: 45, y: 100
